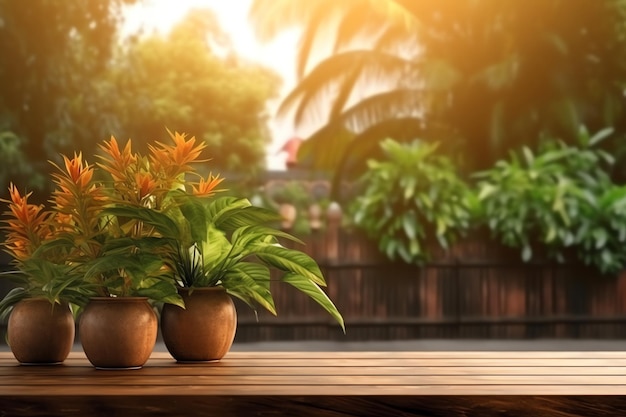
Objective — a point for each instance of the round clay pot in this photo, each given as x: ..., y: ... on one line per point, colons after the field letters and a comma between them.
x: 40, y: 332
x: 204, y: 330
x: 118, y: 332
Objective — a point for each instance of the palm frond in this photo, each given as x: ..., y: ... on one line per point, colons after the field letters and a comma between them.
x: 330, y: 75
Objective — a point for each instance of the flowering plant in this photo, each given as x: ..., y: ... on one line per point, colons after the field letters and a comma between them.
x: 28, y: 227
x: 118, y: 255
x: 210, y: 241
x: 135, y: 225
x: 76, y: 249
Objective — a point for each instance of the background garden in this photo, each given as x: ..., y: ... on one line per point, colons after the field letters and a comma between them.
x: 466, y: 178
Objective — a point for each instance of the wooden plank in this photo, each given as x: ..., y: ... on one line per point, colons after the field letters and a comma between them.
x: 7, y: 365
x: 190, y: 370
x: 315, y: 406
x: 174, y: 380
x: 405, y: 354
x: 325, y: 383
x: 289, y: 390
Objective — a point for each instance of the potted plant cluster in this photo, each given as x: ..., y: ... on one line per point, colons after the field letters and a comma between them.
x: 134, y: 230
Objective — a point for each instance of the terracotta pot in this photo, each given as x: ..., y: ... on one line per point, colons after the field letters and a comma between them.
x: 118, y: 332
x: 40, y: 332
x: 204, y: 330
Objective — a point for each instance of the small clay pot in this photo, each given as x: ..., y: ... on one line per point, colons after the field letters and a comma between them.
x: 40, y: 332
x: 204, y: 330
x: 118, y: 332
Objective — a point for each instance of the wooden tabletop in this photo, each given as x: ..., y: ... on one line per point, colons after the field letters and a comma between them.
x: 318, y: 383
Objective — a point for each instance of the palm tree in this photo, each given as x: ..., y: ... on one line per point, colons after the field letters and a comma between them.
x: 481, y: 76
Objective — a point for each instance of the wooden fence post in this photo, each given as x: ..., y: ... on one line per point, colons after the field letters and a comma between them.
x: 334, y: 215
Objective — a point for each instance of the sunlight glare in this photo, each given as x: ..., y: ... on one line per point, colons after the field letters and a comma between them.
x: 280, y: 54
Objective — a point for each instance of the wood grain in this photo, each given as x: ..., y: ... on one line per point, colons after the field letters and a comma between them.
x: 326, y: 383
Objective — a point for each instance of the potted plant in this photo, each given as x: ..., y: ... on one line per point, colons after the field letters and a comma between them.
x: 216, y: 247
x: 41, y: 326
x: 114, y: 256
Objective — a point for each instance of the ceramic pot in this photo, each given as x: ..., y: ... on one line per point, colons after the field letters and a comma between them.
x: 40, y: 332
x: 204, y: 330
x: 118, y: 332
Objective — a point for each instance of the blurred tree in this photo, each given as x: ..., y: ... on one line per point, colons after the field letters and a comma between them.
x: 191, y: 81
x: 52, y: 51
x: 480, y: 76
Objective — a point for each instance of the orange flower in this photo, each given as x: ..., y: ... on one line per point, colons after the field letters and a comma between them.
x: 160, y: 160
x: 117, y: 162
x: 184, y: 152
x: 78, y: 172
x: 77, y: 196
x: 73, y: 182
x: 207, y: 188
x: 176, y: 159
x: 26, y: 226
x: 145, y: 184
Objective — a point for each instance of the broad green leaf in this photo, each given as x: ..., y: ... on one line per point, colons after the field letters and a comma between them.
x: 310, y: 288
x: 163, y: 223
x: 290, y: 260
x: 164, y: 291
x: 409, y: 225
x: 250, y: 282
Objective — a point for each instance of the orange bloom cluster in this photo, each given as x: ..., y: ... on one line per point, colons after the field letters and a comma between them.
x: 118, y: 162
x: 77, y: 198
x: 174, y: 160
x: 26, y: 225
x: 144, y: 181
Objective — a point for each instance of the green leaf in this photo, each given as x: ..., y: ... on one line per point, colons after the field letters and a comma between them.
x: 163, y: 223
x: 195, y: 213
x: 250, y: 282
x: 164, y: 291
x: 290, y: 260
x: 409, y: 225
x: 600, y: 136
x: 600, y: 236
x: 310, y: 288
x: 13, y: 297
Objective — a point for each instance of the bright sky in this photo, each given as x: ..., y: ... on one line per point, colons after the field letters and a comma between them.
x: 233, y: 17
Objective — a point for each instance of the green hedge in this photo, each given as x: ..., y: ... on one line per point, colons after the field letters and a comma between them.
x: 560, y: 197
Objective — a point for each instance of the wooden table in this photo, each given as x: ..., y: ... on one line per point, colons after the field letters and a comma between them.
x: 326, y: 383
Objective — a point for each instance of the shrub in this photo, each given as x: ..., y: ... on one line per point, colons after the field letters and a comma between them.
x: 409, y: 198
x: 562, y: 198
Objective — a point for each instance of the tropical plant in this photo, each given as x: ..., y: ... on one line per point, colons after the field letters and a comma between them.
x: 205, y: 241
x: 28, y: 227
x: 481, y: 76
x: 410, y: 198
x: 116, y: 256
x: 561, y: 198
x: 228, y: 242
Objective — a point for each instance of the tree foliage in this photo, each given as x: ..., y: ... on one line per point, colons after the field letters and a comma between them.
x: 68, y: 80
x: 480, y: 76
x: 191, y: 80
x: 51, y: 53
